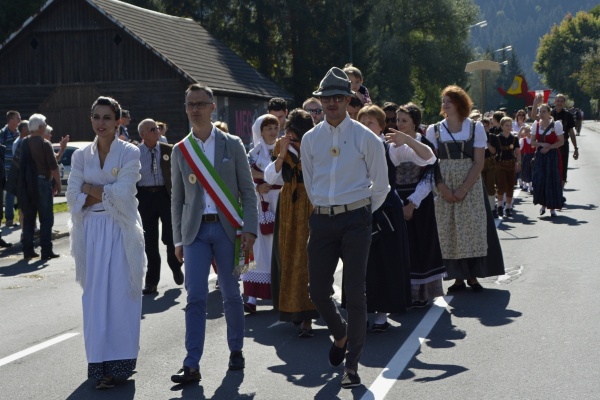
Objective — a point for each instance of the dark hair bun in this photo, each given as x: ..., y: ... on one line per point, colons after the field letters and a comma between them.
x: 299, y: 122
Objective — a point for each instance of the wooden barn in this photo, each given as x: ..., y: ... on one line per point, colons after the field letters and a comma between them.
x: 73, y: 51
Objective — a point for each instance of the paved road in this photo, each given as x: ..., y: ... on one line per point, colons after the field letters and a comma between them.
x: 532, y: 334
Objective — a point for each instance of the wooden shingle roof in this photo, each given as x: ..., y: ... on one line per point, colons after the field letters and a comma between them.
x: 191, y: 49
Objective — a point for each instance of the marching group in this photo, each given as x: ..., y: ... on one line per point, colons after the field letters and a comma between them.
x: 403, y: 205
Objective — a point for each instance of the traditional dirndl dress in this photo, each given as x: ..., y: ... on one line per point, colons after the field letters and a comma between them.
x: 465, y: 228
x: 546, y: 173
x: 426, y: 265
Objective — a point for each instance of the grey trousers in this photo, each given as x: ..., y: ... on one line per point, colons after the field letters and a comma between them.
x: 346, y: 236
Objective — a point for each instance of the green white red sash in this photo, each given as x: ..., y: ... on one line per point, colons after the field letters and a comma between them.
x: 216, y: 188
x: 211, y: 181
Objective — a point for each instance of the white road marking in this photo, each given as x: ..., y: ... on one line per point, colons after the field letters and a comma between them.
x: 37, y: 347
x: 509, y: 275
x: 276, y: 323
x: 390, y: 374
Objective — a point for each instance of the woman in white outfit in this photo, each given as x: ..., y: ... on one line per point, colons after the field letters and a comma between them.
x: 107, y: 243
x: 257, y: 282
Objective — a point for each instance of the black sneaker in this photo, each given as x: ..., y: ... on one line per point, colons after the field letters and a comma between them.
x: 350, y: 380
x: 236, y: 361
x: 4, y: 244
x: 184, y: 375
x: 381, y: 327
x: 337, y: 354
x: 495, y: 212
x: 508, y: 212
x: 500, y: 211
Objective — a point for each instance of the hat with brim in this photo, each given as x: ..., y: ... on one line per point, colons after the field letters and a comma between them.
x: 335, y: 82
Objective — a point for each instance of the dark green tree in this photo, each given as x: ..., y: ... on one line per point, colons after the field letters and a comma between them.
x: 560, y: 56
x: 411, y: 50
x: 14, y: 13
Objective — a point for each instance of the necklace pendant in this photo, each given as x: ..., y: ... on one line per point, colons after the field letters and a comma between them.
x: 334, y: 151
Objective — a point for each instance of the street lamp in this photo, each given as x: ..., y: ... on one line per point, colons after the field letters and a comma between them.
x: 481, y: 24
x: 507, y: 48
x: 483, y: 65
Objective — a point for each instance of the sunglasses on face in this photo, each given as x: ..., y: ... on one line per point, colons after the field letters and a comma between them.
x: 316, y: 111
x: 338, y: 98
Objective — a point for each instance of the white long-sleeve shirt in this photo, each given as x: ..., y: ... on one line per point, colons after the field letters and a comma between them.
x: 400, y: 154
x: 344, y: 164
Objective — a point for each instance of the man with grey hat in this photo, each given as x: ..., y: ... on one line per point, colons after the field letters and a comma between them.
x: 345, y: 175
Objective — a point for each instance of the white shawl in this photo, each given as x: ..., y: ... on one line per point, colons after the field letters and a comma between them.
x: 118, y: 200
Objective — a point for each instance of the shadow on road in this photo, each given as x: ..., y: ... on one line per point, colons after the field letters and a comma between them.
x: 87, y: 390
x: 23, y: 267
x: 155, y: 304
x: 488, y: 306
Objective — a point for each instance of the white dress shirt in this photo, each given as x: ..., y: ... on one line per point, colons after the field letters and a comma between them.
x: 344, y: 164
x: 208, y: 147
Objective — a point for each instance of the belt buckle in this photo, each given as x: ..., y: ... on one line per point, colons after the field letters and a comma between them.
x: 331, y: 213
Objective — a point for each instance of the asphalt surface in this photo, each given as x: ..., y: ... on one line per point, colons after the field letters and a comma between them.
x: 531, y: 334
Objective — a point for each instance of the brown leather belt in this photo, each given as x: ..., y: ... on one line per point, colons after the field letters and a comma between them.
x: 152, y: 189
x: 210, y: 218
x: 335, y: 210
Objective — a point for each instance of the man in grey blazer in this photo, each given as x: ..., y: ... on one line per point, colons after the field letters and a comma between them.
x: 201, y: 231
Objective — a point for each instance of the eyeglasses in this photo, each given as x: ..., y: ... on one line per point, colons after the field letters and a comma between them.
x: 154, y: 129
x: 317, y: 111
x: 390, y: 120
x: 338, y: 98
x: 199, y: 105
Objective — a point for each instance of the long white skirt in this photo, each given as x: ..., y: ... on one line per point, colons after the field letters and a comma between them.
x: 263, y: 246
x: 111, y: 314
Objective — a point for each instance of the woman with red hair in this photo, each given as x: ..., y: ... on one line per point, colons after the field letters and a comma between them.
x: 466, y: 229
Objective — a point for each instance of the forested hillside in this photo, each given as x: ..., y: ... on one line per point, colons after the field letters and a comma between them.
x: 521, y: 24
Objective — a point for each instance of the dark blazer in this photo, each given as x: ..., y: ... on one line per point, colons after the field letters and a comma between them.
x: 165, y: 163
x: 187, y: 199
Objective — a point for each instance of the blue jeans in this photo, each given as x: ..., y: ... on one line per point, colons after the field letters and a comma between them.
x: 9, y: 206
x: 46, y: 213
x: 211, y: 241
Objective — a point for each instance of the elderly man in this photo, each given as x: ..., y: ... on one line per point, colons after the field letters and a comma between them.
x: 312, y: 105
x: 211, y: 176
x: 346, y: 178
x: 154, y: 196
x: 37, y: 170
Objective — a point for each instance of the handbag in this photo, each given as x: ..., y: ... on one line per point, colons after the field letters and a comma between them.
x: 266, y: 218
